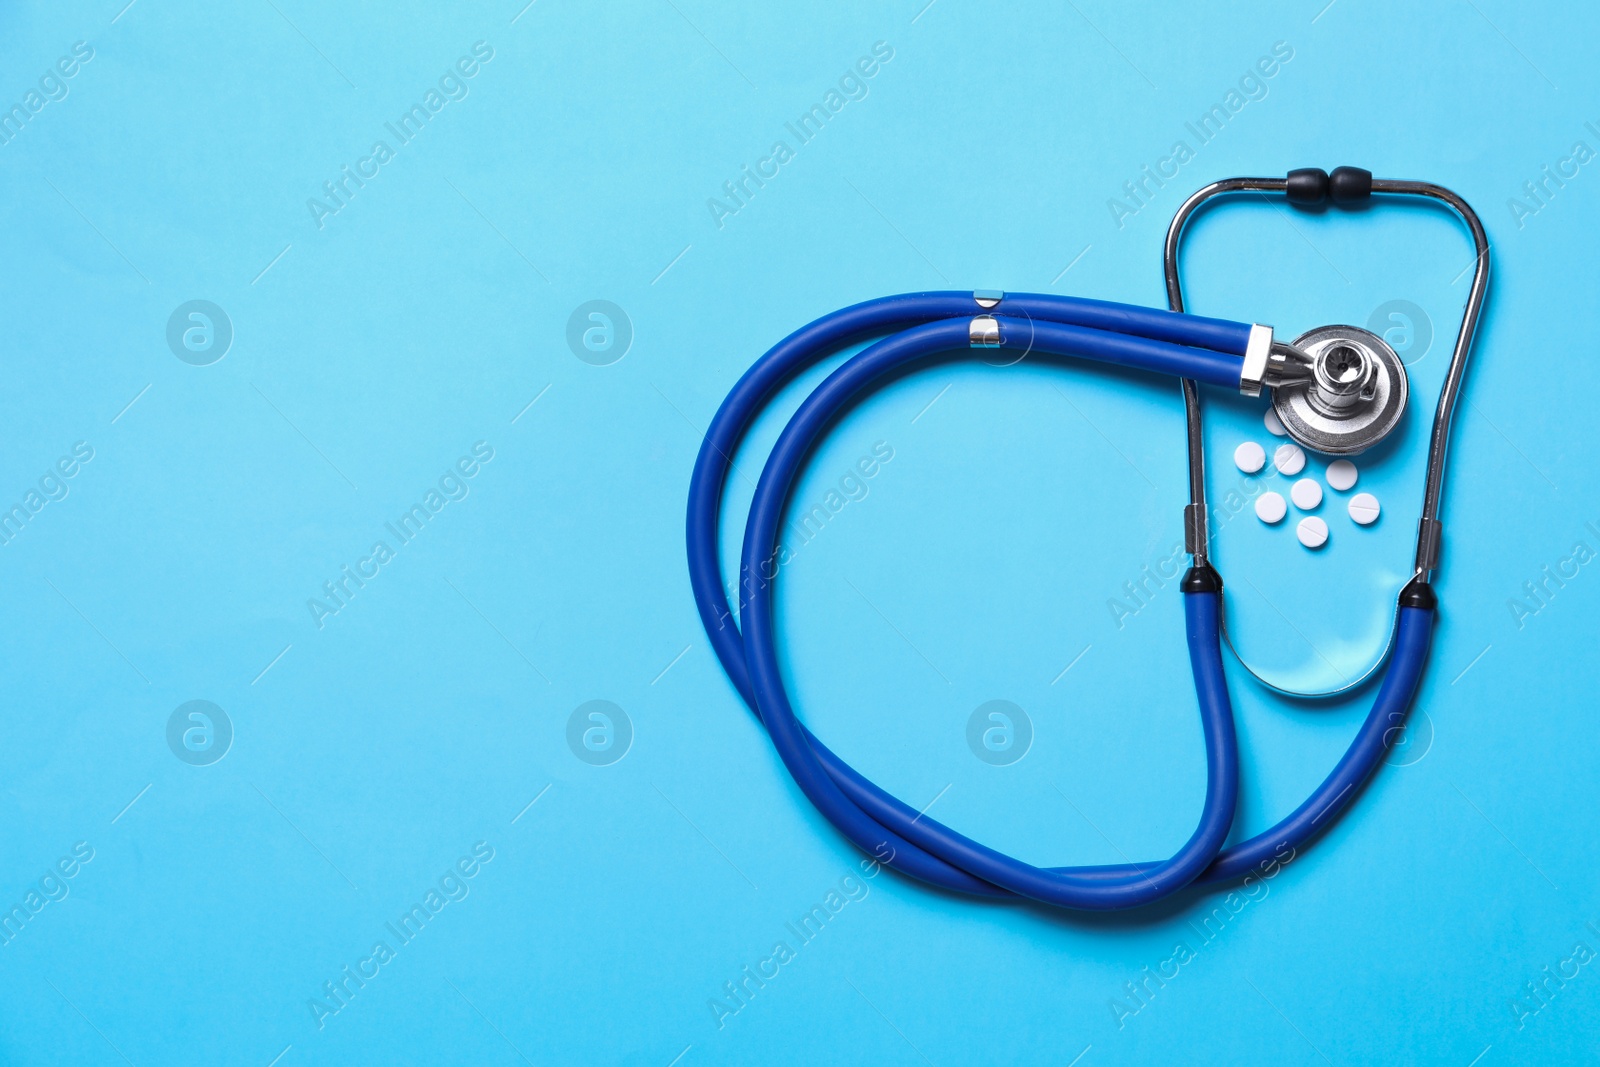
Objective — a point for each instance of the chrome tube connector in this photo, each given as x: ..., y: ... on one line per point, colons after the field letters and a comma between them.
x: 1288, y: 364
x: 984, y: 332
x: 1272, y: 363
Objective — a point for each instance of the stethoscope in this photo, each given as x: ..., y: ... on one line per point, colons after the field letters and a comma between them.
x: 1337, y: 390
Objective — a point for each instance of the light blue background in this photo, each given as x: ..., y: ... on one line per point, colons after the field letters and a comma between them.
x: 370, y: 353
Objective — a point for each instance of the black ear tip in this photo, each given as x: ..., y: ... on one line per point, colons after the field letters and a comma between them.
x: 1349, y: 185
x: 1308, y: 186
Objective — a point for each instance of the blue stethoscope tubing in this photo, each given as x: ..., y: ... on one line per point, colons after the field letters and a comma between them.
x: 920, y: 326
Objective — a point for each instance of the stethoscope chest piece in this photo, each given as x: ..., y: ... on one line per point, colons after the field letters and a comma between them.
x: 1355, y: 395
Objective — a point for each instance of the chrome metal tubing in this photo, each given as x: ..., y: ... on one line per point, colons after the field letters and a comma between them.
x: 1196, y: 535
x: 1429, y: 528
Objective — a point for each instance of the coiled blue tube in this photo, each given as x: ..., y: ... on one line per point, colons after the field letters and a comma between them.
x: 882, y: 825
x: 1413, y: 633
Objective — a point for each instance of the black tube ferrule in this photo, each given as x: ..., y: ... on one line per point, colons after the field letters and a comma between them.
x: 1201, y: 578
x: 1418, y: 594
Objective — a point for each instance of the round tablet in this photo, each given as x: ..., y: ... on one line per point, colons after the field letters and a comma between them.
x: 1250, y: 457
x: 1364, y: 508
x: 1306, y: 494
x: 1341, y: 474
x: 1313, y: 532
x: 1289, y: 459
x: 1270, y: 507
x: 1274, y: 424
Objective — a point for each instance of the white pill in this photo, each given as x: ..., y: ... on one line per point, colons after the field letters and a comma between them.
x: 1341, y: 474
x: 1274, y: 424
x: 1289, y: 459
x: 1364, y: 508
x: 1313, y: 532
x: 1270, y: 507
x: 1306, y: 494
x: 1250, y: 457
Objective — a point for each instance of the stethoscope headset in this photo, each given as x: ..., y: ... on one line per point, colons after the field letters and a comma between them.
x: 1337, y: 390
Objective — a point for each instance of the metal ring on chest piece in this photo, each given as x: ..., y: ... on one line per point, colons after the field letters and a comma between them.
x: 1356, y: 394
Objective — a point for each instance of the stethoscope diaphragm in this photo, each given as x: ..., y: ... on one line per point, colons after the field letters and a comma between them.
x: 1355, y: 395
